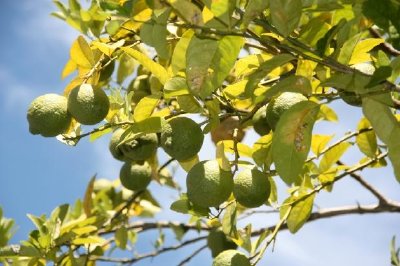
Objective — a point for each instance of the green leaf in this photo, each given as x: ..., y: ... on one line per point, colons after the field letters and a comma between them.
x: 290, y: 84
x: 253, y: 9
x: 97, y: 134
x: 262, y: 150
x: 87, y: 200
x: 121, y: 237
x: 81, y: 53
x: 145, y: 107
x: 154, y: 33
x: 158, y: 71
x: 346, y: 52
x: 175, y: 86
x: 366, y: 141
x: 178, y: 62
x: 285, y: 15
x: 380, y: 75
x: 360, y: 53
x: 189, y: 104
x: 387, y: 128
x: 205, y: 72
x: 149, y: 125
x: 265, y: 68
x: 179, y: 231
x: 229, y: 221
x: 223, y: 11
x: 126, y: 67
x: 332, y: 156
x: 300, y: 213
x: 88, y: 240
x: 188, y: 11
x: 292, y: 139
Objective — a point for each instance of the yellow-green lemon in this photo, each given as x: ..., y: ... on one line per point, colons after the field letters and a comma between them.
x: 136, y: 149
x: 208, y: 185
x: 135, y: 176
x: 48, y: 116
x: 278, y: 105
x: 88, y: 105
x: 218, y: 242
x: 181, y: 138
x: 251, y: 188
x: 231, y: 257
x: 260, y: 123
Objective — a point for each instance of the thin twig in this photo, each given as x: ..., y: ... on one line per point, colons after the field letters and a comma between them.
x: 191, y: 256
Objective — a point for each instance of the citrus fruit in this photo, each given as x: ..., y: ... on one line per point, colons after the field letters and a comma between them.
x: 231, y: 257
x: 48, y: 116
x: 218, y: 242
x: 260, y: 123
x: 181, y: 138
x: 278, y: 105
x: 208, y: 185
x: 251, y: 188
x: 135, y: 176
x: 88, y: 105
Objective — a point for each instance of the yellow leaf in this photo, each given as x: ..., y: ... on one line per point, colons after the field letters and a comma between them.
x: 81, y: 53
x: 69, y: 68
x: 70, y: 86
x: 108, y: 49
x: 88, y: 240
x: 319, y: 142
x: 188, y: 164
x: 158, y: 70
x: 360, y: 53
x: 145, y: 107
x: 243, y: 149
x: 221, y: 157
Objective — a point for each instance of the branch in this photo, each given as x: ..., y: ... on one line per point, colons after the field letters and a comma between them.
x: 385, y: 46
x: 151, y: 254
x: 191, y: 256
x: 382, y: 199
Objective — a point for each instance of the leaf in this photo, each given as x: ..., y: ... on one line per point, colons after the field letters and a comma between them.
x: 145, y: 107
x: 229, y: 220
x: 188, y: 164
x: 189, y: 104
x: 155, y: 68
x: 97, y: 134
x: 327, y: 113
x: 69, y: 68
x: 121, y: 237
x: 366, y: 141
x: 223, y: 11
x: 175, y: 86
x: 290, y: 84
x: 265, y: 68
x: 108, y: 49
x: 206, y: 71
x: 387, y: 128
x: 319, y: 143
x: 154, y: 33
x: 300, y: 213
x: 81, y: 53
x: 221, y: 157
x: 87, y: 200
x: 189, y: 12
x: 88, y: 240
x: 262, y: 150
x: 332, y: 156
x: 178, y: 61
x: 243, y: 149
x: 125, y: 68
x: 360, y: 53
x: 380, y: 75
x: 292, y: 139
x: 285, y: 15
x: 253, y: 9
x: 149, y: 125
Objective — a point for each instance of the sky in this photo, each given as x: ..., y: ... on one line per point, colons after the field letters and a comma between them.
x: 39, y: 173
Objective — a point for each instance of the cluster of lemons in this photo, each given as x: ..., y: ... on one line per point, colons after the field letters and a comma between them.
x: 51, y: 114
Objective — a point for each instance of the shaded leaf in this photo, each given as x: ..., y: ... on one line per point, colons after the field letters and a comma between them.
x: 87, y: 200
x: 300, y: 213
x: 366, y: 141
x: 285, y: 15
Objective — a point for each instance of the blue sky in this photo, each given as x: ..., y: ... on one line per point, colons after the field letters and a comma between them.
x: 40, y: 173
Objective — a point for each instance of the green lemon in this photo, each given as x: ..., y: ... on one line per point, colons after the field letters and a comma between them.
x: 48, y: 116
x: 135, y: 176
x: 231, y: 257
x: 181, y: 138
x: 208, y: 185
x: 280, y: 104
x: 251, y: 188
x: 218, y: 242
x: 260, y: 123
x: 88, y: 105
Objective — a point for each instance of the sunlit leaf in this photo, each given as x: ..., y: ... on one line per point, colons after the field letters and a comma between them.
x: 332, y: 156
x: 81, y: 53
x: 366, y: 141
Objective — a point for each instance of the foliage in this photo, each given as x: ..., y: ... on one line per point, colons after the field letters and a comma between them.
x: 161, y: 62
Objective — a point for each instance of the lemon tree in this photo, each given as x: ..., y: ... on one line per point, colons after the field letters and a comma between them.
x: 180, y: 88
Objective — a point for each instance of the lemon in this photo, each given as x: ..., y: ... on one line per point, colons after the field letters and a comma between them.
x: 260, y: 123
x: 231, y: 257
x: 181, y: 138
x: 48, y: 116
x: 218, y: 242
x: 135, y: 176
x: 208, y: 185
x: 88, y: 105
x: 251, y: 188
x: 278, y: 105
